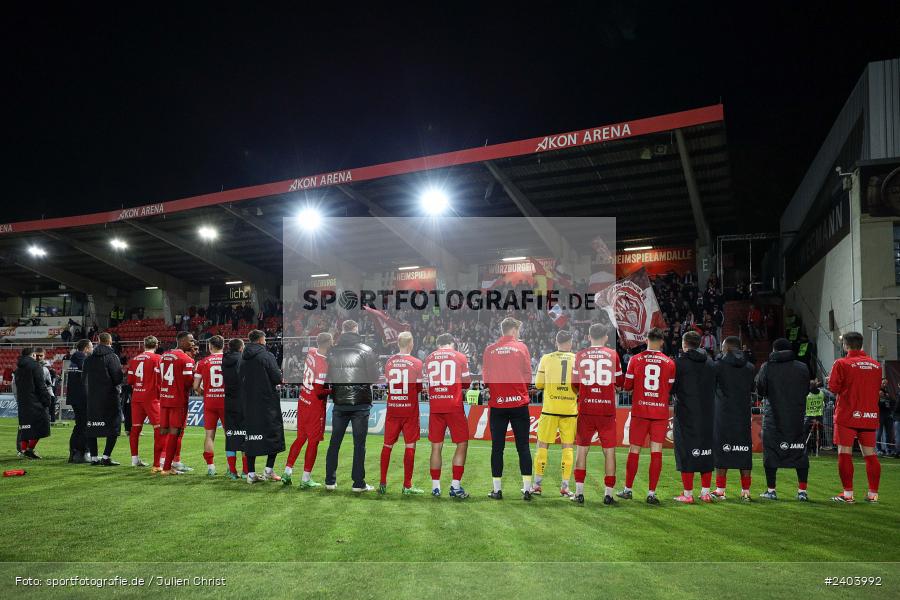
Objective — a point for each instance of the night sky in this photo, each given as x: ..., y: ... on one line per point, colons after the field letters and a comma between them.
x: 110, y: 109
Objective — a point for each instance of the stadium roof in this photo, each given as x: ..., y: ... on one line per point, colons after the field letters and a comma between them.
x: 666, y: 179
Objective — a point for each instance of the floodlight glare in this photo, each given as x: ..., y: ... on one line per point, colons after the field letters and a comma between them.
x: 309, y: 218
x: 151, y: 287
x: 37, y: 251
x: 410, y: 268
x: 236, y: 282
x: 513, y: 258
x: 435, y: 201
x: 320, y: 275
x: 207, y: 233
x: 636, y: 248
x: 118, y: 244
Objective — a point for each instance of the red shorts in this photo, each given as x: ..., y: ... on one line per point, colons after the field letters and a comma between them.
x: 408, y: 425
x: 144, y: 410
x: 603, y: 425
x: 456, y: 421
x: 173, y: 417
x: 212, y: 416
x: 640, y: 427
x: 311, y: 422
x: 844, y: 436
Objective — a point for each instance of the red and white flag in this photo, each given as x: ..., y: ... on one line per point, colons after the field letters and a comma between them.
x: 558, y: 315
x: 631, y: 305
x: 389, y: 327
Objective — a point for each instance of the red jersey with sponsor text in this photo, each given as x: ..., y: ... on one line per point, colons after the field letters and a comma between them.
x: 445, y: 372
x: 176, y: 371
x: 506, y: 370
x: 403, y: 374
x: 650, y: 376
x: 143, y: 377
x: 209, y: 369
x: 597, y: 372
x: 856, y: 379
x: 314, y: 391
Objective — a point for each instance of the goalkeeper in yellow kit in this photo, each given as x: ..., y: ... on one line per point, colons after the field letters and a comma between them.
x: 559, y: 412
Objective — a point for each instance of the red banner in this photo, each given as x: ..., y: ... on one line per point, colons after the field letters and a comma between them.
x: 479, y: 430
x: 657, y: 261
x: 388, y: 327
x: 514, y: 272
x: 424, y: 279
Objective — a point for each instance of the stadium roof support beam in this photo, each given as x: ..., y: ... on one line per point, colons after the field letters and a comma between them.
x: 11, y: 286
x: 549, y: 234
x: 330, y: 262
x: 693, y: 191
x: 212, y: 257
x: 420, y: 243
x: 67, y: 278
x: 146, y: 274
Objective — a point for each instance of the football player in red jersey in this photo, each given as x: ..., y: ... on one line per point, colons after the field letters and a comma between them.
x: 597, y: 373
x: 446, y: 371
x: 649, y: 377
x: 310, y: 412
x: 176, y: 369
x: 403, y: 373
x: 143, y: 377
x: 506, y: 370
x: 208, y: 380
x: 856, y: 379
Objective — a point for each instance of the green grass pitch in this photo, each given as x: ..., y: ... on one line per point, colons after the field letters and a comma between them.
x: 269, y: 540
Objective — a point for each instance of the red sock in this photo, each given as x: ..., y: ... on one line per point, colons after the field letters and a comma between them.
x: 244, y: 462
x: 171, y: 444
x: 873, y: 472
x: 845, y: 470
x: 609, y: 481
x: 157, y: 446
x: 208, y: 457
x: 178, y: 446
x: 705, y: 479
x: 385, y: 460
x: 801, y: 485
x: 23, y: 445
x: 580, y: 474
x: 631, y: 467
x: 232, y: 463
x: 409, y: 459
x: 458, y: 472
x: 133, y: 438
x: 436, y: 474
x: 655, y: 469
x: 312, y: 448
x: 32, y: 444
x: 745, y: 482
x: 687, y: 480
x: 295, y: 449
x: 720, y: 481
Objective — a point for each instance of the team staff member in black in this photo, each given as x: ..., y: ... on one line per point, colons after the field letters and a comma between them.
x: 263, y: 422
x: 76, y: 397
x: 732, y: 445
x: 692, y: 430
x: 785, y: 383
x: 102, y: 377
x: 234, y: 407
x: 33, y: 400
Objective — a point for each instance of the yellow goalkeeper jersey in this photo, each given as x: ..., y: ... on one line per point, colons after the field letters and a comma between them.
x: 554, y: 376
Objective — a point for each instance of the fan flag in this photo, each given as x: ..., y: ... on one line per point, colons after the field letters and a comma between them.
x: 631, y: 305
x: 558, y: 316
x: 388, y: 327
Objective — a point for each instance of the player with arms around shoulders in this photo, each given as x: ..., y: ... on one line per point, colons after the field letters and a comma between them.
x: 856, y: 379
x: 310, y: 411
x: 208, y: 379
x: 144, y: 379
x: 597, y: 373
x: 559, y: 412
x: 403, y: 373
x: 176, y: 368
x: 649, y: 377
x: 446, y: 372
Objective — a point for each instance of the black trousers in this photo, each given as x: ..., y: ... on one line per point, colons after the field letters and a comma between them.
x: 500, y: 419
x: 78, y: 442
x: 802, y: 476
x: 358, y: 418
